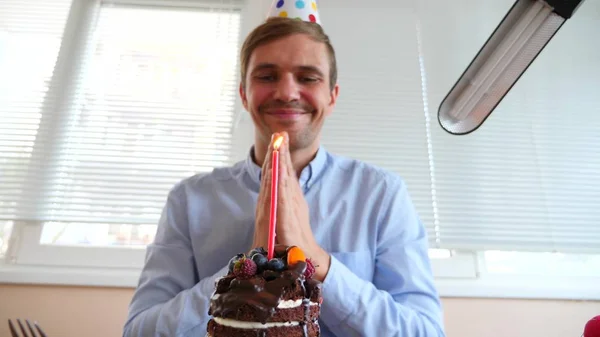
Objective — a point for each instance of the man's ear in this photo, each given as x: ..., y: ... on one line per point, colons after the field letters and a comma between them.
x: 333, y: 98
x: 243, y: 96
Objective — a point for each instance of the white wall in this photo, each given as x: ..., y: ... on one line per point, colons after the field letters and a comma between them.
x: 101, y: 312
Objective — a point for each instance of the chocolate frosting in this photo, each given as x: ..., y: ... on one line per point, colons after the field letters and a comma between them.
x: 262, y: 292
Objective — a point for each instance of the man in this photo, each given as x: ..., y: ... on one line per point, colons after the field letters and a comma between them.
x: 355, y: 220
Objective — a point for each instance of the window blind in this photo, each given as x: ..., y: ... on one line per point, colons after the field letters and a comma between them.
x: 529, y: 178
x: 151, y: 103
x: 30, y: 38
x: 380, y: 116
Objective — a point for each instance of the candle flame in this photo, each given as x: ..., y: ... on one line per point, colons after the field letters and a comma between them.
x: 277, y: 142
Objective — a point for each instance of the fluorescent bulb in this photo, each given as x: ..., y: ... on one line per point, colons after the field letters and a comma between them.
x: 516, y: 42
x: 500, y: 59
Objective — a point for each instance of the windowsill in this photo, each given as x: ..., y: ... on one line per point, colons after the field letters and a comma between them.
x: 539, y: 288
x: 512, y: 288
x: 69, y: 276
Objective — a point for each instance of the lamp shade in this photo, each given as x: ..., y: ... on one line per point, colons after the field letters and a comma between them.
x: 513, y: 46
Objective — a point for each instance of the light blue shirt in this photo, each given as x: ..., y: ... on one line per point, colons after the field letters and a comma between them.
x: 379, y: 284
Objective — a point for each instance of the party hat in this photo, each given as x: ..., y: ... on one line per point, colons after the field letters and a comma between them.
x: 305, y: 10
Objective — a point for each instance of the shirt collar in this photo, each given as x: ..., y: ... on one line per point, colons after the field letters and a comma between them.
x: 307, y: 176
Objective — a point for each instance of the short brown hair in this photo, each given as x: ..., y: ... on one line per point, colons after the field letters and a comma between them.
x: 278, y: 27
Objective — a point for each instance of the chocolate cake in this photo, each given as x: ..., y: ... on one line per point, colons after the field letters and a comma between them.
x: 267, y: 298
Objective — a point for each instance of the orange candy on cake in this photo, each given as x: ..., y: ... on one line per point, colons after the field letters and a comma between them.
x: 295, y: 255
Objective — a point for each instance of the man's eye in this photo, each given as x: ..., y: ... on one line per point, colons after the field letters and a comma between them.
x: 308, y: 79
x: 266, y: 77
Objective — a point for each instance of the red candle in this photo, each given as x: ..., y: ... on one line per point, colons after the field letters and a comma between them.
x: 274, y: 185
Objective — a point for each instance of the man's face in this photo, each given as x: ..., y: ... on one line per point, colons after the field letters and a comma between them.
x: 288, y: 89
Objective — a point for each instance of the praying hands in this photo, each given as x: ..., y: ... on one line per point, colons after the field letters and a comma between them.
x: 292, y: 224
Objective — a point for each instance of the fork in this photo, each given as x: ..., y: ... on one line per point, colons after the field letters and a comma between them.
x: 14, y: 333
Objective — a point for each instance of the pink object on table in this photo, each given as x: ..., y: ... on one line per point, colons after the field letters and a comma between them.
x: 592, y: 328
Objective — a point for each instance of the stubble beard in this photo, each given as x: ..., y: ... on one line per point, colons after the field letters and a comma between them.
x: 299, y: 138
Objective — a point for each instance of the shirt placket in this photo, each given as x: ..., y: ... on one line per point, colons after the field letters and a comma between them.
x: 305, y: 178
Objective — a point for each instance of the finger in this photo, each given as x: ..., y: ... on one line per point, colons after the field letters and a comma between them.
x: 287, y: 157
x: 264, y: 201
x: 265, y: 183
x: 283, y: 174
x: 283, y: 190
x: 283, y: 182
x: 265, y: 188
x: 268, y: 156
x: 265, y: 180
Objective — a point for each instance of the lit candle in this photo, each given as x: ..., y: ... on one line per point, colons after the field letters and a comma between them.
x: 274, y: 185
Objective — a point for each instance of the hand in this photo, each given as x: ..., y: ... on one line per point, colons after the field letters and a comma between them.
x: 293, y: 223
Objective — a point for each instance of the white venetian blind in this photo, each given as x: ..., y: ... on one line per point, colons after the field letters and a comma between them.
x: 380, y: 116
x: 152, y: 102
x: 529, y: 178
x: 30, y: 38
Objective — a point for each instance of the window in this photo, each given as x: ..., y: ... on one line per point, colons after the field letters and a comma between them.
x: 522, y: 190
x: 527, y: 179
x: 157, y: 106
x: 25, y: 35
x: 93, y: 234
x: 5, y: 232
x: 141, y: 95
x: 518, y: 194
x: 30, y: 40
x: 542, y: 264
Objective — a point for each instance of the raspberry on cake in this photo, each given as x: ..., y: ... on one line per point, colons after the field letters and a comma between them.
x: 268, y: 298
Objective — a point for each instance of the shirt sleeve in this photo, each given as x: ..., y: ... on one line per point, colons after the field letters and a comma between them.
x: 169, y: 299
x: 402, y: 299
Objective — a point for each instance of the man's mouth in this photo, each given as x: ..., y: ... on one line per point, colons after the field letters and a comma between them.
x: 286, y: 113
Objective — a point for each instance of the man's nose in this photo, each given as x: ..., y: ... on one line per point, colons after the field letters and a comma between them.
x: 287, y: 89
